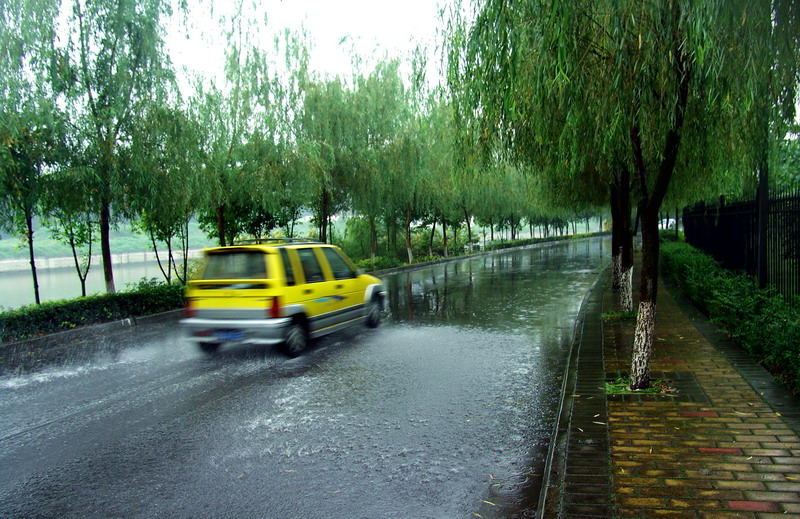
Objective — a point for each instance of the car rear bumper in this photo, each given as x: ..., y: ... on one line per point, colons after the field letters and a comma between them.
x: 254, y: 331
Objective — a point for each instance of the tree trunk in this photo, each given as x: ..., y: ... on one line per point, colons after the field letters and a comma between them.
x: 158, y: 258
x: 408, y: 235
x: 513, y: 229
x: 469, y: 231
x: 81, y: 275
x: 391, y: 238
x: 373, y: 237
x: 646, y: 320
x: 649, y: 204
x: 31, y: 256
x: 616, y: 240
x: 221, y: 225
x: 625, y: 245
x: 433, y: 233
x: 444, y: 235
x: 105, y: 247
x: 182, y: 277
x: 170, y: 261
x: 323, y: 221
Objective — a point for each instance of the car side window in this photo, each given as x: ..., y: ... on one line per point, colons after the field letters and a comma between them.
x: 341, y: 269
x: 287, y: 268
x: 311, y: 267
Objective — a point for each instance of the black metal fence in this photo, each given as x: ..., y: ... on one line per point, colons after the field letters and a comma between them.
x: 729, y: 232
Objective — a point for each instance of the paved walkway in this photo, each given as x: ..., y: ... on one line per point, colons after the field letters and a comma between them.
x: 724, y: 445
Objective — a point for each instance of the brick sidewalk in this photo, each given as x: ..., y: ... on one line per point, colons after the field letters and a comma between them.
x: 717, y: 448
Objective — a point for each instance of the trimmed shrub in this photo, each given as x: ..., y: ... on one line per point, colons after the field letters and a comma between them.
x: 379, y: 263
x: 146, y: 298
x: 759, y: 320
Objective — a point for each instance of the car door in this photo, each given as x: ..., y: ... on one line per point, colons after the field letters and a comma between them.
x: 317, y: 291
x: 347, y: 287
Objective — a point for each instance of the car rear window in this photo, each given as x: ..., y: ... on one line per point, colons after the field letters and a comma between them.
x: 236, y: 265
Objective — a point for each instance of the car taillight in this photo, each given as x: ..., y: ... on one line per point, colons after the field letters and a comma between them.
x: 275, y: 309
x: 188, y: 311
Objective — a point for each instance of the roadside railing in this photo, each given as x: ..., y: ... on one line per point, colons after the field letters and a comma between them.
x: 728, y: 231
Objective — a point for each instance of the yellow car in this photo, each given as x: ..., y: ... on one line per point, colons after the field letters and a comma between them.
x: 266, y: 292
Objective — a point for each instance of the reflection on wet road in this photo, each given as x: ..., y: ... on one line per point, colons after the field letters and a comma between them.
x: 443, y: 411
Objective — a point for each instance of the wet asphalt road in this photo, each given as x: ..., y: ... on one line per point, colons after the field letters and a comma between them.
x: 445, y: 411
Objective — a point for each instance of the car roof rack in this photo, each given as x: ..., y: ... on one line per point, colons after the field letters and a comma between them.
x: 263, y: 241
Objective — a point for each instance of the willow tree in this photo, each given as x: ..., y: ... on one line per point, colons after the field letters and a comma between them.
x: 381, y: 112
x: 239, y: 118
x: 630, y: 86
x: 328, y: 134
x: 114, y: 57
x: 164, y: 193
x: 68, y: 209
x: 31, y: 125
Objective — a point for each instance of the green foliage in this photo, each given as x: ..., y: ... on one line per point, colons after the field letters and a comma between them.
x: 760, y: 321
x: 619, y: 316
x: 669, y: 236
x: 379, y: 263
x: 694, y: 273
x: 147, y: 297
x: 622, y: 386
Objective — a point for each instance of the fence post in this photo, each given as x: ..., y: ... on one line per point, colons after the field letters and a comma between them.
x: 763, y: 216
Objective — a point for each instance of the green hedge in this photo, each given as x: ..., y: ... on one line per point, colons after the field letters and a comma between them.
x: 54, y: 316
x: 759, y: 320
x: 379, y: 263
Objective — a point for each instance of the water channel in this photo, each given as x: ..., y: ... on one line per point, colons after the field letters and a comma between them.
x: 63, y: 283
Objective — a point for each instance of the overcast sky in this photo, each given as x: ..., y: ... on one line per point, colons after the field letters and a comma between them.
x: 372, y: 28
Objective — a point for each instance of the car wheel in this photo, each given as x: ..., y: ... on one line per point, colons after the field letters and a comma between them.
x: 296, y: 339
x: 374, y: 313
x: 208, y: 347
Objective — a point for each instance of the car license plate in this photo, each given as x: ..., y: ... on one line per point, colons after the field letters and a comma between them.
x: 229, y: 335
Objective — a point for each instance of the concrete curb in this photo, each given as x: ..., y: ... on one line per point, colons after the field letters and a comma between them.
x: 578, y: 390
x: 87, y: 332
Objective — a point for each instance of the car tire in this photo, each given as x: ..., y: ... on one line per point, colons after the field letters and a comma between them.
x: 208, y: 348
x: 374, y: 314
x: 296, y: 339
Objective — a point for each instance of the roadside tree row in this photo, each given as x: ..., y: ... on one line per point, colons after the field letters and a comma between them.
x: 94, y: 130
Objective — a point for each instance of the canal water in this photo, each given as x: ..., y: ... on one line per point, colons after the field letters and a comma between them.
x: 16, y: 286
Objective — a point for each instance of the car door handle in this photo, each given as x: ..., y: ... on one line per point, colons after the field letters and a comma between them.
x: 339, y: 286
x: 308, y: 291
